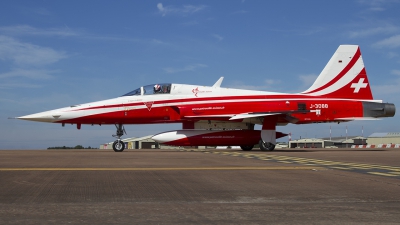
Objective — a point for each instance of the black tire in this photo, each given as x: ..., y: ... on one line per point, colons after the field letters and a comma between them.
x: 118, y: 146
x: 247, y: 147
x: 266, y: 146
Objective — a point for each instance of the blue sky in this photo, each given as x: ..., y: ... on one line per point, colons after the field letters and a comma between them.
x: 59, y: 53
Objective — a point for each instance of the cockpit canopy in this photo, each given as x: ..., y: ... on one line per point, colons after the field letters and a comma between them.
x: 151, y: 89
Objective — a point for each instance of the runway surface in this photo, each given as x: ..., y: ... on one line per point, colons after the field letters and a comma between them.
x: 314, y: 186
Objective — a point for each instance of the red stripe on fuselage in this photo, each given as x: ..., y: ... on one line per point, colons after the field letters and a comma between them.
x: 329, y: 110
x: 205, y: 99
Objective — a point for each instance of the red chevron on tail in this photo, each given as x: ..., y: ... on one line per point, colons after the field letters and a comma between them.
x: 344, y: 76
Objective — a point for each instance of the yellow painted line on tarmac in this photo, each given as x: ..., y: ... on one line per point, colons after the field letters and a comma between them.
x: 351, y: 164
x: 362, y: 165
x: 361, y: 168
x: 388, y: 167
x: 165, y: 168
x: 340, y: 168
x: 384, y: 174
x: 307, y: 163
x: 285, y: 162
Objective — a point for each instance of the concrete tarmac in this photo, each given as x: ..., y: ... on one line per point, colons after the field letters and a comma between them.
x: 313, y: 186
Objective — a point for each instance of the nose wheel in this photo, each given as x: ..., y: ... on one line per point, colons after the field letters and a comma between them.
x: 119, y: 145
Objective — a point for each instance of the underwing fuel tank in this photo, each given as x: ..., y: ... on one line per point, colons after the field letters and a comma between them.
x: 211, y: 137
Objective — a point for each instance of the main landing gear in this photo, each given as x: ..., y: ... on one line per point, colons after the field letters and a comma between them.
x: 266, y: 146
x: 247, y: 147
x: 119, y: 145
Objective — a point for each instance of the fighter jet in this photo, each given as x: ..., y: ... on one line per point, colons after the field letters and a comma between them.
x: 213, y: 115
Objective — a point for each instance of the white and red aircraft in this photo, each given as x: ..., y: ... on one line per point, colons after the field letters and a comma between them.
x: 212, y: 116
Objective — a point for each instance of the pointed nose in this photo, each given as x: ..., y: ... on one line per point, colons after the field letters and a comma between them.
x: 49, y: 117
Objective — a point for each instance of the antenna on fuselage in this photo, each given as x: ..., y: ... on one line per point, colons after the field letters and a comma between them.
x: 218, y: 83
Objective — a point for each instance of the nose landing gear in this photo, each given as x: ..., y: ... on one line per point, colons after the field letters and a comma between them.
x: 119, y: 145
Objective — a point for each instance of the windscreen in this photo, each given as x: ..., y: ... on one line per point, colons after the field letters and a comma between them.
x: 134, y: 92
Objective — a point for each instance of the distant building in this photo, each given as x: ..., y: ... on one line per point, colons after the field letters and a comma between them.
x: 339, y: 142
x: 307, y: 143
x: 384, y: 138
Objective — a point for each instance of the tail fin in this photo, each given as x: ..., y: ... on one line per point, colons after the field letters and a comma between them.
x: 343, y: 77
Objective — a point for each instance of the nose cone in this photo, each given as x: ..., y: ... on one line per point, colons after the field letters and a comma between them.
x: 49, y: 116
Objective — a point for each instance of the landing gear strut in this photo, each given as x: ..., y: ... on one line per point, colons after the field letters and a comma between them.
x: 266, y: 146
x: 119, y: 145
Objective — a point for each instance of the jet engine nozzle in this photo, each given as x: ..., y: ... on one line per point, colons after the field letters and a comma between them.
x: 374, y: 109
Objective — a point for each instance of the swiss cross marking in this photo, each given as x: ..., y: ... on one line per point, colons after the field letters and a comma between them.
x: 359, y: 85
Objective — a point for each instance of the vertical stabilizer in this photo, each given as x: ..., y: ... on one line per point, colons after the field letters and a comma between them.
x: 343, y: 77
